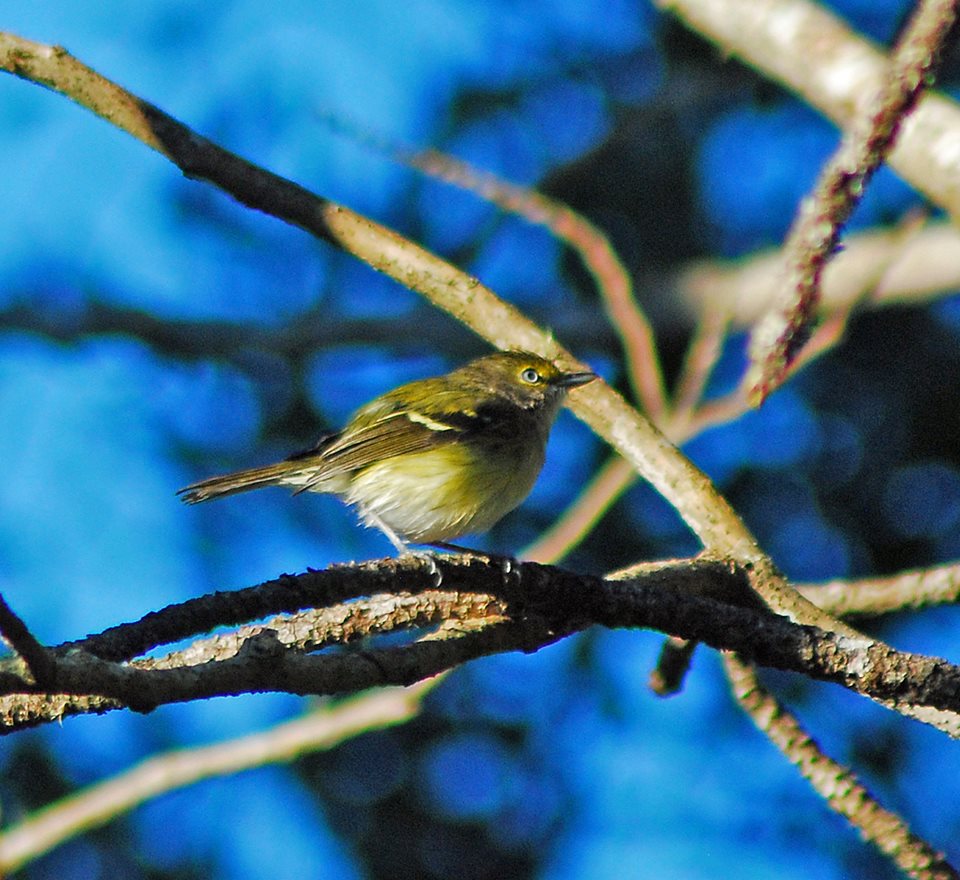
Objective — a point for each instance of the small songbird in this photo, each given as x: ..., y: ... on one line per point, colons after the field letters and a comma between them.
x: 434, y: 459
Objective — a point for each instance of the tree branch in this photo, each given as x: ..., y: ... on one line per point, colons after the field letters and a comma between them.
x: 35, y: 656
x: 879, y: 267
x: 780, y: 37
x: 779, y: 335
x: 94, y: 806
x: 836, y: 784
x: 907, y: 590
x: 532, y: 607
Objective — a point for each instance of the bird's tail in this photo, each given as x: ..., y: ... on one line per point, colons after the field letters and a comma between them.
x: 239, y: 481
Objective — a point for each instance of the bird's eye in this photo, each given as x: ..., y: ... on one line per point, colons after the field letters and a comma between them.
x: 530, y: 375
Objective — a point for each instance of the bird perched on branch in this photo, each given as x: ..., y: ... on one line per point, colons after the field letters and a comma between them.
x: 433, y: 459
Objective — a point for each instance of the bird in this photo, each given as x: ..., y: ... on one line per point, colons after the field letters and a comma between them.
x: 433, y: 459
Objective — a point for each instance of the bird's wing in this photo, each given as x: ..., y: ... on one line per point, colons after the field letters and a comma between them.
x: 386, y: 428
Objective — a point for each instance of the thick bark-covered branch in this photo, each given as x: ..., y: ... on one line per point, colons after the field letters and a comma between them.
x: 525, y: 608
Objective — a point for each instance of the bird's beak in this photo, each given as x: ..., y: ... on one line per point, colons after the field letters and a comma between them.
x: 571, y: 380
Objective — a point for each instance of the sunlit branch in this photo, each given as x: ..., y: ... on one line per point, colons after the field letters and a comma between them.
x: 780, y: 37
x: 341, y: 624
x: 909, y: 264
x: 907, y: 590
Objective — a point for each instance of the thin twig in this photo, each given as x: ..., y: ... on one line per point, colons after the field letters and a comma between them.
x: 613, y: 478
x: 37, y: 658
x: 100, y: 803
x: 729, y: 407
x: 589, y: 241
x: 907, y: 590
x: 825, y: 337
x: 836, y: 784
x: 667, y: 676
x: 701, y: 357
x: 780, y: 335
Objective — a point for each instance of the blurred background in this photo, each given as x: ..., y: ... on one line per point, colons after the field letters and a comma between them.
x: 153, y: 332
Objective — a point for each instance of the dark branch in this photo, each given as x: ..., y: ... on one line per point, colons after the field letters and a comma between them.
x: 37, y: 658
x: 536, y: 605
x: 283, y: 595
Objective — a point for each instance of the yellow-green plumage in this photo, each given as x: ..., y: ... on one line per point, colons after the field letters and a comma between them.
x: 433, y: 459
